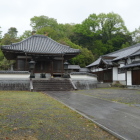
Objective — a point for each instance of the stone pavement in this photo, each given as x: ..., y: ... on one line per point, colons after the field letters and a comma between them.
x: 119, y: 119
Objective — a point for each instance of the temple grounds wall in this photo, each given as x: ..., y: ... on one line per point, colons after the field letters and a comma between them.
x: 14, y: 80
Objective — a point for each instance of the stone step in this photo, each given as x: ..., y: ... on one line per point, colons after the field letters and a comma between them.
x: 52, y: 85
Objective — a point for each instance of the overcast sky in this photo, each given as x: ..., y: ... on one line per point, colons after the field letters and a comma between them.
x: 17, y: 13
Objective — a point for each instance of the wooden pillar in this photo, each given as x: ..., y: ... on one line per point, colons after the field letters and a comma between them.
x: 17, y: 64
x: 52, y: 68
x: 26, y: 63
x: 62, y: 67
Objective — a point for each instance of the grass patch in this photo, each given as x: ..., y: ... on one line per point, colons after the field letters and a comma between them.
x: 35, y: 116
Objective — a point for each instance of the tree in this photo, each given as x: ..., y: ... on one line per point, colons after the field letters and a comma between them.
x: 5, y: 64
x: 136, y: 35
x: 38, y: 22
x: 111, y: 24
x: 84, y: 58
x: 50, y: 32
x: 102, y: 33
x: 10, y: 36
x: 66, y: 30
x: 12, y: 32
x: 26, y: 34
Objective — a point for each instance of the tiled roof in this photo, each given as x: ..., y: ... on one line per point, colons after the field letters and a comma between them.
x: 108, y: 62
x: 136, y: 53
x: 94, y: 63
x: 40, y: 44
x: 126, y: 52
x: 133, y: 64
x: 123, y: 53
x: 73, y: 67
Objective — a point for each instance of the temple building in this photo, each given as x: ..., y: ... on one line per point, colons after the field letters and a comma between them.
x: 122, y: 66
x: 48, y: 55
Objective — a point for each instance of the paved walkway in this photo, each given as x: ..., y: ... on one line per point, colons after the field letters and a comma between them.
x: 120, y: 119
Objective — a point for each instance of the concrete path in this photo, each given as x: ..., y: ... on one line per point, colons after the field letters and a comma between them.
x: 119, y: 119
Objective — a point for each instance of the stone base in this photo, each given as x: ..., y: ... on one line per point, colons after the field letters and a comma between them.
x: 15, y: 85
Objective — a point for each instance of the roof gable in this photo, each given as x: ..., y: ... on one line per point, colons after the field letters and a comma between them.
x: 40, y: 44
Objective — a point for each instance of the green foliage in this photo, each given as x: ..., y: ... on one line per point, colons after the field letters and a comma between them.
x: 8, y: 38
x: 42, y: 21
x: 1, y: 56
x: 66, y: 30
x: 49, y: 31
x: 136, y: 35
x: 84, y: 58
x: 12, y: 32
x: 26, y: 34
x: 102, y: 33
x: 99, y: 48
x: 5, y: 64
x: 97, y: 35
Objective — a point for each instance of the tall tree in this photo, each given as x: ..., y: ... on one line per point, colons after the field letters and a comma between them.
x: 12, y: 32
x: 102, y: 33
x: 66, y: 30
x: 10, y: 36
x: 38, y: 22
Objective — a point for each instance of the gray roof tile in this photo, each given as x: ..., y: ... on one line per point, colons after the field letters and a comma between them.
x: 94, y: 63
x: 133, y: 64
x: 135, y: 53
x: 40, y: 44
x: 123, y: 53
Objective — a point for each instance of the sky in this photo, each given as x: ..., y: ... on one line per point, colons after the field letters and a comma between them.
x: 17, y: 13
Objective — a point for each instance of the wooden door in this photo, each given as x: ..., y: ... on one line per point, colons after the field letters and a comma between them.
x: 107, y: 76
x: 135, y: 77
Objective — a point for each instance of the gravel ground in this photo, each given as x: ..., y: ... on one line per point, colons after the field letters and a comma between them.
x: 126, y: 96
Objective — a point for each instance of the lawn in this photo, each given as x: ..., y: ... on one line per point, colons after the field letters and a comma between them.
x: 35, y: 116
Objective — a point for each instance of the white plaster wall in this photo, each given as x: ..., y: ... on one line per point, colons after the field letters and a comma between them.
x: 83, y: 77
x: 129, y: 61
x: 118, y: 77
x: 14, y: 76
x: 121, y: 76
x: 100, y: 69
x: 93, y: 69
x: 129, y: 78
x: 121, y: 65
x: 115, y: 74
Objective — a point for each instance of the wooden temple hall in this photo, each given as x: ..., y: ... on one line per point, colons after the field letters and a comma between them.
x: 49, y: 56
